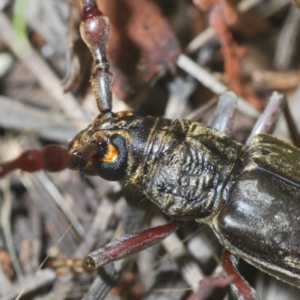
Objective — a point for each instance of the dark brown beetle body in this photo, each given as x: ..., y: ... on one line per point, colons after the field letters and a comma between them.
x: 250, y: 197
x: 261, y: 220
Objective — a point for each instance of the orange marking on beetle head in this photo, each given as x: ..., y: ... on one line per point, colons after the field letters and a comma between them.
x: 112, y: 154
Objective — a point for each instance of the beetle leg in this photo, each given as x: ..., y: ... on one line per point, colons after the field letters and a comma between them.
x: 239, y: 285
x: 268, y: 119
x: 223, y: 117
x: 130, y: 244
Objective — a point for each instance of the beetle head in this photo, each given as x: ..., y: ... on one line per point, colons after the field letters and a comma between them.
x: 112, y: 146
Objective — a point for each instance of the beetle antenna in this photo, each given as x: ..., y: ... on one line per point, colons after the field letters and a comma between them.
x: 94, y: 30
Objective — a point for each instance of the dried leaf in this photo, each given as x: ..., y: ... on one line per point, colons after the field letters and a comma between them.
x: 232, y: 52
x: 141, y: 44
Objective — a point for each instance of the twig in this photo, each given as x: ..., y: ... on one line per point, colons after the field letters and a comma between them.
x: 209, y: 81
x: 18, y: 116
x: 44, y: 75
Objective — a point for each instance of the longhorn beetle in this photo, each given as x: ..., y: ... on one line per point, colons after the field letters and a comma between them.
x: 249, y: 195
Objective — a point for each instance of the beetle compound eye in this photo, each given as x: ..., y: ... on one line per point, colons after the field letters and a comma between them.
x: 112, y: 166
x: 112, y: 154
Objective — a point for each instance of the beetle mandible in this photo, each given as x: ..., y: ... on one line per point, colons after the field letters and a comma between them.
x: 247, y: 194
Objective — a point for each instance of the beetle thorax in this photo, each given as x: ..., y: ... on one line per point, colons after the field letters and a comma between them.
x: 186, y: 169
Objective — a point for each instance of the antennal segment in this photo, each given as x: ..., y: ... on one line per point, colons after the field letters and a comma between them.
x: 94, y: 30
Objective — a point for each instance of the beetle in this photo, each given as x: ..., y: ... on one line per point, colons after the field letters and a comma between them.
x: 247, y: 194
x: 191, y: 172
